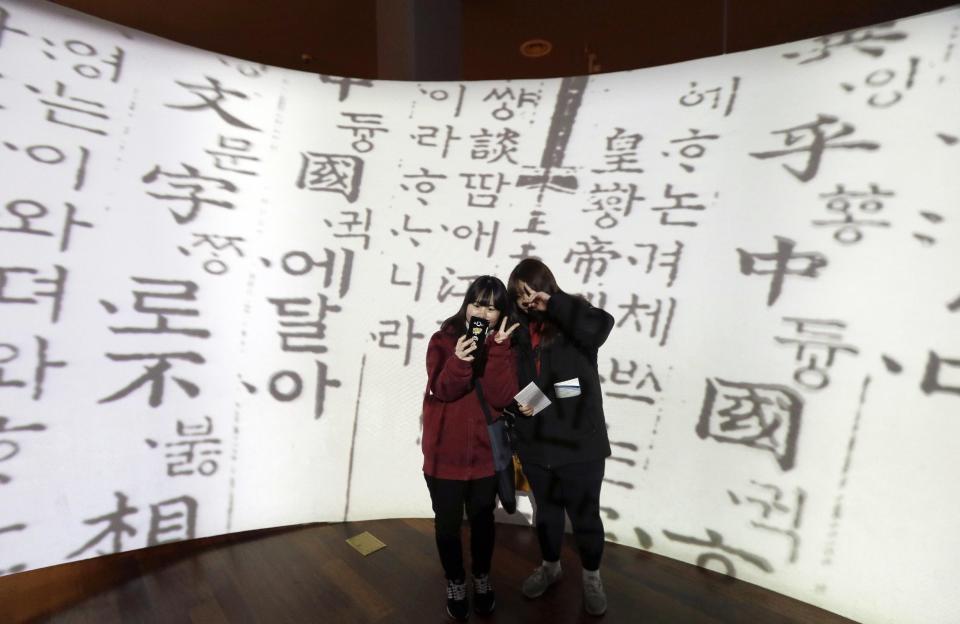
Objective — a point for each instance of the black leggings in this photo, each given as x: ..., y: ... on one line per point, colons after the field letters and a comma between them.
x: 576, y: 489
x: 448, y: 498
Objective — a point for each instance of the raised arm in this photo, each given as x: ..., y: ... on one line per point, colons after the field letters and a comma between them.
x: 448, y: 375
x: 586, y: 325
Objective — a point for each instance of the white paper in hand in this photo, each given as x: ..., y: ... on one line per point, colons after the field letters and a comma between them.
x: 532, y: 395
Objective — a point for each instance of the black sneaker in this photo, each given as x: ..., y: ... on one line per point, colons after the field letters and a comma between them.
x: 457, y: 606
x: 483, y: 597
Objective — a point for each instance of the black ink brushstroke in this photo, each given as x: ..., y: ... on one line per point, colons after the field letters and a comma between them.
x: 353, y: 440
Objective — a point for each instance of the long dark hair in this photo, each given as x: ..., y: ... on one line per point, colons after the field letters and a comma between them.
x: 485, y: 289
x: 540, y: 278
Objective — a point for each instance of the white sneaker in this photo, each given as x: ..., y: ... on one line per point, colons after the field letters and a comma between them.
x: 539, y: 581
x: 594, y: 598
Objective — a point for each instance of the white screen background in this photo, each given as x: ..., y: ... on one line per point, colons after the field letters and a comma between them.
x: 288, y: 232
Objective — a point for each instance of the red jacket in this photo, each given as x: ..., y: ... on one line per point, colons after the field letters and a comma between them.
x: 455, y: 440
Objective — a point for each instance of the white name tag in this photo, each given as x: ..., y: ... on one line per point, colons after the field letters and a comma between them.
x: 568, y: 388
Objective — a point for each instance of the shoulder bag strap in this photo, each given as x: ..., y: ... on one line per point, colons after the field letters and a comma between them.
x: 483, y: 402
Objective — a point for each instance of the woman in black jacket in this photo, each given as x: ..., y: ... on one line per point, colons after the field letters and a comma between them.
x: 563, y: 448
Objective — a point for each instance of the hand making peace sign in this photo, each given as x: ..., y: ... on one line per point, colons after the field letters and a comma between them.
x: 531, y: 299
x: 502, y: 333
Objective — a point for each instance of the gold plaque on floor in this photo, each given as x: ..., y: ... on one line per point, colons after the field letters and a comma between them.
x: 366, y: 543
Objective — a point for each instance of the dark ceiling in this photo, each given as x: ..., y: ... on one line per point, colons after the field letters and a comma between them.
x: 481, y: 39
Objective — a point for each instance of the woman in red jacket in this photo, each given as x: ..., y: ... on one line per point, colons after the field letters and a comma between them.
x: 457, y: 458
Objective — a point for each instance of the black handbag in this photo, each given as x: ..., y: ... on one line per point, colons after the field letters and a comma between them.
x: 502, y: 456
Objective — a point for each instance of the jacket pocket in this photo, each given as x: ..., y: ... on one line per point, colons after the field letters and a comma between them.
x: 574, y: 416
x: 567, y: 389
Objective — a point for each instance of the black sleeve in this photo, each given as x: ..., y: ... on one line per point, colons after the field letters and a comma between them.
x: 586, y: 325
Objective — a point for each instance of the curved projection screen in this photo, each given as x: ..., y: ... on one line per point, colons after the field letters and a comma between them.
x: 217, y: 281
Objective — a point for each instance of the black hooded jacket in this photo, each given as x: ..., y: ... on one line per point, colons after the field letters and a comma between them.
x: 571, y: 429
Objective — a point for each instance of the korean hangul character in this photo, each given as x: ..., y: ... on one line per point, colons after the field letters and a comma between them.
x: 678, y: 204
x: 423, y: 184
x: 287, y: 385
x: 483, y: 188
x: 775, y: 512
x: 717, y: 551
x: 394, y: 331
x: 364, y: 127
x: 534, y: 224
x: 817, y: 348
x: 409, y: 228
x: 19, y: 293
x: 217, y: 243
x: 655, y: 253
x: 881, y: 78
x: 10, y: 352
x: 5, y: 27
x: 232, y: 155
x: 440, y: 93
x: 245, y: 68
x: 616, y: 446
x: 653, y: 311
x: 93, y: 70
x: 428, y: 137
x: 158, y: 298
x: 354, y: 221
x: 52, y: 155
x: 62, y: 107
x: 185, y: 452
x: 696, y: 97
x: 182, y: 457
x: 626, y: 377
x: 395, y: 280
x: 504, y: 111
x: 302, y: 263
x: 842, y: 201
x: 25, y: 211
x: 693, y: 147
x: 506, y: 97
x: 464, y: 232
x: 612, y: 200
x: 313, y: 330
x: 10, y: 447
x: 448, y: 285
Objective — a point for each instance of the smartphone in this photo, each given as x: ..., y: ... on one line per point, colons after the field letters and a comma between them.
x: 477, y: 329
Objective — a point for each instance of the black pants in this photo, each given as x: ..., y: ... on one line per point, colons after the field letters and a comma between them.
x: 448, y: 498
x: 574, y: 488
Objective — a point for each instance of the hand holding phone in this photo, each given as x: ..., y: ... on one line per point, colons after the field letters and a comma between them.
x: 477, y: 329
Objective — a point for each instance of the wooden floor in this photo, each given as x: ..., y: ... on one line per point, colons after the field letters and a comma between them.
x: 309, y: 574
